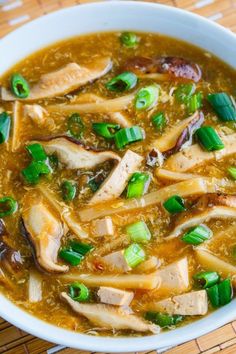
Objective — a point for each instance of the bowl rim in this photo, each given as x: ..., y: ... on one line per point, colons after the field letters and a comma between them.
x: 20, y: 318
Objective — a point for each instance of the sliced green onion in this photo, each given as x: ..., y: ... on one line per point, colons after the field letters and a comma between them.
x: 81, y: 248
x: 159, y: 121
x: 232, y: 172
x: 223, y: 105
x: 147, y: 97
x: 174, y: 204
x: 8, y: 206
x: 123, y: 82
x: 37, y: 152
x: 68, y: 190
x: 207, y: 279
x: 134, y: 255
x: 129, y: 39
x: 33, y: 171
x: 184, y: 92
x: 138, y: 185
x: 79, y: 292
x: 75, y: 126
x: 163, y: 319
x: 107, y: 130
x: 19, y: 86
x: 139, y: 232
x: 194, y: 102
x: 197, y: 235
x: 5, y: 124
x: 70, y: 256
x: 127, y: 136
x: 209, y: 138
x: 220, y: 294
x: 213, y: 295
x: 225, y: 292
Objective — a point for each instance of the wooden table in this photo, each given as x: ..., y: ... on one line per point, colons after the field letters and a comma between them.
x: 13, y: 14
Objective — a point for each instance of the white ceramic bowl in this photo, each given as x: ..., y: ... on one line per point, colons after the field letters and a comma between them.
x: 107, y: 16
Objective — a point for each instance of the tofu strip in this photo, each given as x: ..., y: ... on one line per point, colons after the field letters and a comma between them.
x: 194, y: 156
x: 117, y: 180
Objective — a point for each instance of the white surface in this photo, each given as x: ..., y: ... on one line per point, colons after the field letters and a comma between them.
x: 103, y: 17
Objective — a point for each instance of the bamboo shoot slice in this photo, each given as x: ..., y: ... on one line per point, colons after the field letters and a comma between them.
x: 213, y: 263
x: 126, y: 281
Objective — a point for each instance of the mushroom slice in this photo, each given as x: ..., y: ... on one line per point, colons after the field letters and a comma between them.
x: 76, y: 155
x: 172, y: 66
x: 187, y: 221
x: 64, y: 80
x: 10, y: 258
x: 116, y: 182
x: 67, y: 215
x: 178, y: 136
x: 110, y: 317
x: 194, y: 155
x: 217, y: 199
x: 44, y: 232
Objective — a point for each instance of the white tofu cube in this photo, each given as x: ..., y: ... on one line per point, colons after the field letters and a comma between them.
x: 103, y: 227
x: 117, y: 261
x: 190, y: 304
x: 114, y: 296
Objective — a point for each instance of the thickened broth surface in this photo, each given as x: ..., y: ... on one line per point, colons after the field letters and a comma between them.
x: 216, y: 77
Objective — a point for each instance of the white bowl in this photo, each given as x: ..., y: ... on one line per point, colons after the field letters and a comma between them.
x: 109, y: 16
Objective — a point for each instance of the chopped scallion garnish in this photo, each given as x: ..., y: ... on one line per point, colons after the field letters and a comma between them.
x: 163, y: 319
x: 127, y: 136
x: 79, y: 292
x: 147, y: 97
x: 129, y: 39
x: 68, y: 190
x: 159, y: 121
x: 223, y: 105
x: 184, y: 92
x: 197, y: 235
x: 209, y: 138
x: 207, y: 279
x: 19, y: 86
x: 220, y: 294
x: 232, y: 172
x: 81, y: 248
x: 75, y: 126
x: 5, y: 124
x: 134, y: 255
x: 122, y: 82
x: 8, y: 206
x: 194, y: 102
x: 70, y: 256
x: 106, y: 130
x: 174, y: 204
x: 139, y: 232
x: 37, y: 152
x: 138, y: 184
x: 33, y: 171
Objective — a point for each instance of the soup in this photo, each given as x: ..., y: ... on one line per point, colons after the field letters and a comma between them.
x: 118, y: 206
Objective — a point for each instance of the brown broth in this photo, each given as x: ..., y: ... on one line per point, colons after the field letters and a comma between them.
x: 217, y: 77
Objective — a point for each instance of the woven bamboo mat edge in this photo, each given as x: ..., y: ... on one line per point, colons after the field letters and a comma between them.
x: 13, y: 14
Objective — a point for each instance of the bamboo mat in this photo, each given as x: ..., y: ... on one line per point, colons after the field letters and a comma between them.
x: 13, y: 340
